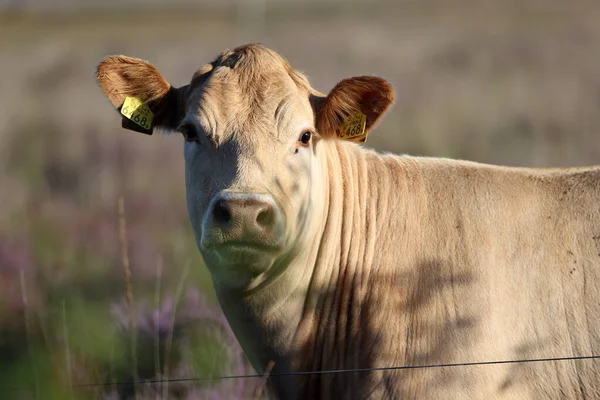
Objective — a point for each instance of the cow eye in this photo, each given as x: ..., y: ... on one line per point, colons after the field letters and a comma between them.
x: 305, y: 137
x: 189, y: 132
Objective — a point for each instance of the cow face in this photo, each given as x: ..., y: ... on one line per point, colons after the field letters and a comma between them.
x: 254, y: 130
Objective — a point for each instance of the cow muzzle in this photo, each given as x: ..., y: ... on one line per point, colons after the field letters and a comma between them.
x: 238, y: 223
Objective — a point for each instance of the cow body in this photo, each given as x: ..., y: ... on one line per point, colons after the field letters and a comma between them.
x: 328, y: 256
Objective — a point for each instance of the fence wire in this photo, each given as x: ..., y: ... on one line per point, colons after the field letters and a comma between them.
x: 331, y: 371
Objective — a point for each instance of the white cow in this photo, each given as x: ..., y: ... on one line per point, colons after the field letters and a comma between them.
x: 325, y: 255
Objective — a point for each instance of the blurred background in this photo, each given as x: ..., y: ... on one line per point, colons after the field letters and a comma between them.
x: 94, y: 236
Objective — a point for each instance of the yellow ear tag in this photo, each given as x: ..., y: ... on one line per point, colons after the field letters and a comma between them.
x: 353, y: 128
x: 137, y: 111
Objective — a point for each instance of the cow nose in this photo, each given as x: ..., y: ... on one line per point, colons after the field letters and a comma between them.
x: 254, y: 211
x: 245, y: 217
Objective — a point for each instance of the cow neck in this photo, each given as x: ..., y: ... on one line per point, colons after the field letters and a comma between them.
x: 346, y: 247
x: 365, y: 194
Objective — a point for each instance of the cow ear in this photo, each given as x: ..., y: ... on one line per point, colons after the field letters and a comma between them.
x: 132, y: 82
x: 357, y: 102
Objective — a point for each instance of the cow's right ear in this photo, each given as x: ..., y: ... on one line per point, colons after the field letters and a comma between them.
x: 130, y: 83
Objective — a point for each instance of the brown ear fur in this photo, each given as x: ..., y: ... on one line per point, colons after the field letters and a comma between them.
x: 368, y: 94
x: 121, y: 76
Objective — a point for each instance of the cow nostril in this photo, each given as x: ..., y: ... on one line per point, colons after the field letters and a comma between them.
x: 221, y: 212
x: 266, y: 216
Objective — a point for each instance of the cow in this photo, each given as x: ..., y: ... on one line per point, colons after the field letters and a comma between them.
x: 358, y: 274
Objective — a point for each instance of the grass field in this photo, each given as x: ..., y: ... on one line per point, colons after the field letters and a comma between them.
x: 517, y: 84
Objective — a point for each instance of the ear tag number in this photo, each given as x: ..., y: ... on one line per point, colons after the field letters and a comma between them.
x: 353, y: 128
x: 138, y: 112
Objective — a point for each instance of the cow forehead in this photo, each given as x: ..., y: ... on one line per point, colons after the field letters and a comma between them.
x: 226, y: 88
x: 248, y: 91
x: 249, y: 100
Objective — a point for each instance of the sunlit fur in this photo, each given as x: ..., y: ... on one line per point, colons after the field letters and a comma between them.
x: 388, y: 260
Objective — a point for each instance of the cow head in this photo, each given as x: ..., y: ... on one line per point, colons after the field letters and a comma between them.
x: 253, y: 130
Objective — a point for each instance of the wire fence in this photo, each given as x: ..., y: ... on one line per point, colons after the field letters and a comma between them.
x: 324, y: 372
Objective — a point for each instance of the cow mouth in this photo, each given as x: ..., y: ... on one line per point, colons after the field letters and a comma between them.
x: 236, y: 256
x: 239, y: 246
x: 243, y: 246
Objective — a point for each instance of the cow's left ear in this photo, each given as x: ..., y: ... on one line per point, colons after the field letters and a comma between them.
x: 145, y: 99
x: 353, y: 107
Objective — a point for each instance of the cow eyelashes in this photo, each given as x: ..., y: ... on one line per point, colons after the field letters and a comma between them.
x: 189, y: 132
